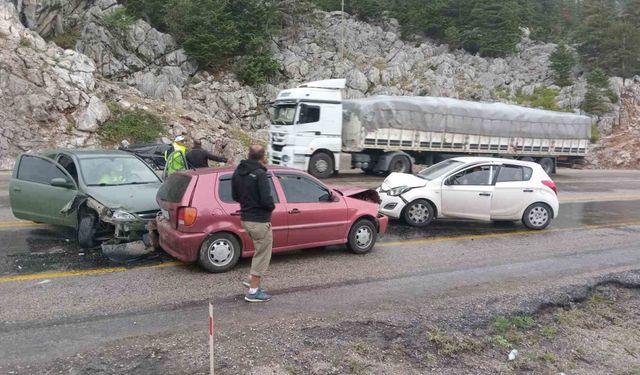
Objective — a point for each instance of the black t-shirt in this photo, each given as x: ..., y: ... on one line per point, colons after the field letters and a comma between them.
x: 198, y: 158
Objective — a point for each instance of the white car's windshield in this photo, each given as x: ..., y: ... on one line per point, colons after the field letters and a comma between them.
x: 439, y: 169
x: 283, y: 114
x: 116, y: 170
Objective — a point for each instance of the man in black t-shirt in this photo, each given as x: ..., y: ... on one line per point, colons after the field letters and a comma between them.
x: 199, y: 157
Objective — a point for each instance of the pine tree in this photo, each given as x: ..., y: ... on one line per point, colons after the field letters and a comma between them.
x: 623, y: 44
x: 597, y: 99
x: 493, y: 28
x: 562, y: 62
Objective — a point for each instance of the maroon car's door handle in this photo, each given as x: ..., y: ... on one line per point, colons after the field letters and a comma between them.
x: 294, y: 211
x: 237, y: 213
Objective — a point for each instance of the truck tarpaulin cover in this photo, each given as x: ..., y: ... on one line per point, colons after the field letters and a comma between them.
x: 459, y: 116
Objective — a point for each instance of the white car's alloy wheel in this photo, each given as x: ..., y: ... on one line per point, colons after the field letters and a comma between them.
x: 538, y: 216
x: 419, y: 213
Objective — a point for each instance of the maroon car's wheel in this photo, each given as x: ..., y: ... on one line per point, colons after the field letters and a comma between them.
x: 362, y: 236
x: 219, y: 252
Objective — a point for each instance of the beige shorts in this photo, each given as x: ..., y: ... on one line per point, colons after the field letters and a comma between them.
x: 262, y: 238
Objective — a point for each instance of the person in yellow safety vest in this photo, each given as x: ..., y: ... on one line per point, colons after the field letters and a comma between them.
x: 176, y: 161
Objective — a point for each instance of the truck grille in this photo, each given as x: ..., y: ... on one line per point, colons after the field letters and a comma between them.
x: 278, y: 138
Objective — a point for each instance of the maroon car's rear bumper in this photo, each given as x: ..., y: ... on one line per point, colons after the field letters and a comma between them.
x: 383, y: 222
x: 180, y: 245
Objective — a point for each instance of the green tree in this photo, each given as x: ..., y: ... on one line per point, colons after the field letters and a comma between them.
x: 562, y: 63
x: 493, y: 28
x: 623, y: 43
x: 598, y: 18
x: 599, y: 95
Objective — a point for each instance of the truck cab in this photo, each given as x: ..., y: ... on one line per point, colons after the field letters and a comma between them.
x: 306, y: 127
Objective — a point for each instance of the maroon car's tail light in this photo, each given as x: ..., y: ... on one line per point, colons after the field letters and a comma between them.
x: 551, y: 185
x: 187, y: 215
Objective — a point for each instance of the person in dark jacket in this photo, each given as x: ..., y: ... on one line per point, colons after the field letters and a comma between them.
x: 251, y: 188
x: 199, y: 157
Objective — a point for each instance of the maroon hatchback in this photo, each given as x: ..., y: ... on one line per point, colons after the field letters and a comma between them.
x: 200, y: 221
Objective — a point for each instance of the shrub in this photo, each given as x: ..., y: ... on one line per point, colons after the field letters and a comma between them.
x: 136, y: 126
x: 256, y: 69
x: 542, y: 97
x: 118, y: 21
x: 595, y: 133
x: 68, y: 39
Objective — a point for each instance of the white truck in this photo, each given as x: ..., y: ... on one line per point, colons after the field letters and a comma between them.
x: 312, y: 127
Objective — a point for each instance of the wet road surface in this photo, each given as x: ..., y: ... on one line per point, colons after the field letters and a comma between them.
x: 587, y: 198
x: 54, y: 319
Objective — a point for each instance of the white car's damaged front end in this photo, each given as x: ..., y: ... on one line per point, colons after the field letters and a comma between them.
x: 396, y: 192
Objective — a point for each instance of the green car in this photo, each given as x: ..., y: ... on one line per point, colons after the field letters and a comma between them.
x: 104, y: 194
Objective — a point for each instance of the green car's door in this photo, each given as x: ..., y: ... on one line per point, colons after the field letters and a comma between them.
x: 39, y: 189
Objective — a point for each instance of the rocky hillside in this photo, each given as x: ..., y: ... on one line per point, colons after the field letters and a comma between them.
x: 52, y: 97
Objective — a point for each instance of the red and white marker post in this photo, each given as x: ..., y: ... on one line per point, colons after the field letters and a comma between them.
x: 211, y: 337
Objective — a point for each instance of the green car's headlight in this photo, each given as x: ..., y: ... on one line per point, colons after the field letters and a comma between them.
x: 122, y: 215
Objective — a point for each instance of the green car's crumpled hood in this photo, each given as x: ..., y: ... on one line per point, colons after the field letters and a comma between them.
x: 131, y: 198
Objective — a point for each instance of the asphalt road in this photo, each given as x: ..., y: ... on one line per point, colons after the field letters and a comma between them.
x: 59, y: 302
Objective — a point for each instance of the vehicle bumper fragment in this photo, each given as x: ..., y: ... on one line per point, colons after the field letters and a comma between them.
x: 127, y: 251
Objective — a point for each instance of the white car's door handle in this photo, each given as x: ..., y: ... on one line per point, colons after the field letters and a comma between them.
x: 485, y: 194
x: 528, y: 190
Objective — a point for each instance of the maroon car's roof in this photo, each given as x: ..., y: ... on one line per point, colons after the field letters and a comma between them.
x: 201, y: 171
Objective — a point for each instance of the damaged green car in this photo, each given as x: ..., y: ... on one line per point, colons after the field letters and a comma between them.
x: 107, y: 195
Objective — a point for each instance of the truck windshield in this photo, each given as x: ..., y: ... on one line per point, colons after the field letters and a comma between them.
x: 283, y: 114
x: 439, y: 169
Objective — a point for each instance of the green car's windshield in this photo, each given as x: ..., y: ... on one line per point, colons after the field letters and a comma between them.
x: 283, y: 114
x: 439, y: 169
x: 116, y: 170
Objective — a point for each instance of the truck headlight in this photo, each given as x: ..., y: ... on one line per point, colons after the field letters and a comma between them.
x: 121, y: 215
x: 285, y: 158
x: 394, y: 192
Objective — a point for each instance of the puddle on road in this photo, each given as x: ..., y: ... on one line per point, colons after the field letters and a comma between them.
x: 571, y: 215
x: 47, y: 249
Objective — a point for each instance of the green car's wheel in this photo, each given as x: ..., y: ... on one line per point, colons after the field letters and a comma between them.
x: 87, y: 231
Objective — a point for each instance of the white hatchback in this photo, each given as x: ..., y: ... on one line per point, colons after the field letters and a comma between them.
x: 472, y: 188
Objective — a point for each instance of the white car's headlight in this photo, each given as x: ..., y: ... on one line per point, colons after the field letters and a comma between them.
x: 394, y: 192
x: 121, y: 215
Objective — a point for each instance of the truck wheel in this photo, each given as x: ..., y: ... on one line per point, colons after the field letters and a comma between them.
x: 418, y: 213
x: 87, y: 231
x: 547, y: 165
x: 321, y: 165
x: 400, y: 164
x: 219, y: 252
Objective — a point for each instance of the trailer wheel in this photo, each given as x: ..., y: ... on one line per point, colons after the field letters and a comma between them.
x: 547, y: 165
x: 399, y: 164
x: 321, y: 165
x: 527, y: 158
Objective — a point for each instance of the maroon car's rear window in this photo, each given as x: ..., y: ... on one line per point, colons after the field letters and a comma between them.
x: 173, y: 188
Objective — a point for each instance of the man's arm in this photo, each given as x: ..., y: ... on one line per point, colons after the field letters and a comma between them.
x: 264, y: 188
x: 213, y: 157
